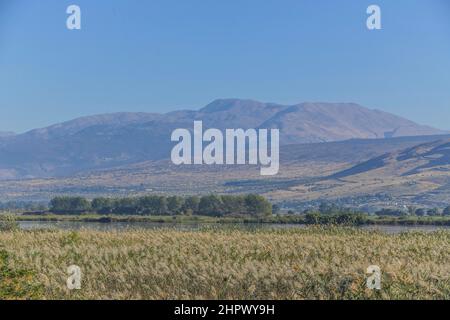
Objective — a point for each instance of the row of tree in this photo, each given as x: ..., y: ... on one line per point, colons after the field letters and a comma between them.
x: 412, y: 211
x: 211, y: 205
x: 332, y: 209
x: 23, y: 206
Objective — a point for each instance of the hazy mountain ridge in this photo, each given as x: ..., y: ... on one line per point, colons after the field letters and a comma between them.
x: 109, y: 140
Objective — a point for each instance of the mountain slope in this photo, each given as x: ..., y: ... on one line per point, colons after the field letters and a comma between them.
x: 417, y: 175
x: 324, y: 122
x: 106, y: 141
x: 427, y: 156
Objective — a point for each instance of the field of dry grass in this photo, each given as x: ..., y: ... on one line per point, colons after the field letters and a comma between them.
x: 312, y: 263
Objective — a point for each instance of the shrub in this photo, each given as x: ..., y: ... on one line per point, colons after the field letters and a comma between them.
x: 8, y: 223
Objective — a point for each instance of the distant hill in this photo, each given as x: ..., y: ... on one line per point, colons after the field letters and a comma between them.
x: 110, y: 140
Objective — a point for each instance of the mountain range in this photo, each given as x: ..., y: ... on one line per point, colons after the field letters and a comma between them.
x: 113, y: 140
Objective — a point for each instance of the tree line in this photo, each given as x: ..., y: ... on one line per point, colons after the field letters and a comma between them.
x: 412, y: 211
x: 23, y: 206
x: 210, y: 205
x: 333, y: 209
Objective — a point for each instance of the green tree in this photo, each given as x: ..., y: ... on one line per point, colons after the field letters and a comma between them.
x: 391, y: 212
x: 421, y: 212
x: 80, y: 204
x: 59, y: 204
x: 211, y: 206
x: 175, y: 205
x: 412, y: 210
x: 447, y: 211
x: 153, y: 205
x: 191, y: 204
x: 312, y: 218
x: 126, y: 206
x: 69, y: 205
x: 257, y: 205
x: 103, y: 205
x: 233, y: 204
x: 434, y: 212
x: 350, y: 219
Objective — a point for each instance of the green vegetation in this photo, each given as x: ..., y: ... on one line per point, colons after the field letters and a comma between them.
x: 217, y: 209
x: 310, y: 263
x: 446, y: 211
x: 20, y: 206
x: 412, y: 211
x: 211, y: 205
x: 16, y: 282
x: 8, y: 223
x: 308, y: 219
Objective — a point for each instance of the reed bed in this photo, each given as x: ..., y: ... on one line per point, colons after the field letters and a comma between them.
x: 310, y: 263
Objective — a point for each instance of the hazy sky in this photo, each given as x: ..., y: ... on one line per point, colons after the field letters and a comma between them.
x: 161, y: 55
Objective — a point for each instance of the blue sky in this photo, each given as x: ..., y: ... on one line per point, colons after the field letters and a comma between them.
x: 162, y: 55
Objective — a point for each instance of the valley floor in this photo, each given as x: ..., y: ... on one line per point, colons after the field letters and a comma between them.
x: 311, y: 263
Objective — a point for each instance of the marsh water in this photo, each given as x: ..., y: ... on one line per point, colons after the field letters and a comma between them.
x: 123, y: 226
